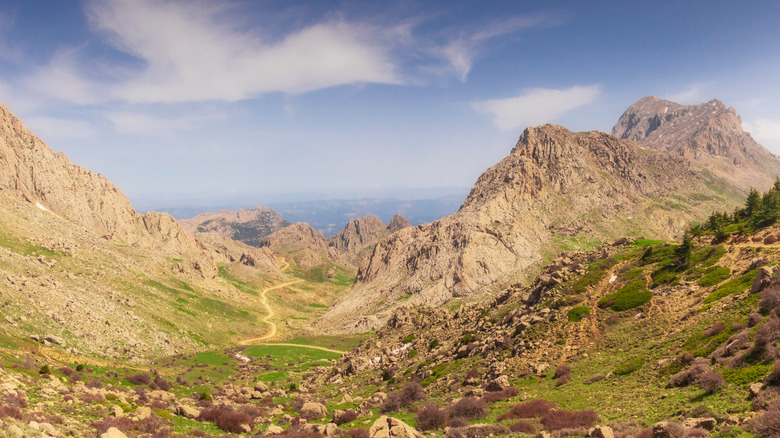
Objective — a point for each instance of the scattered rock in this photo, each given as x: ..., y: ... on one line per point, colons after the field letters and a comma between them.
x: 700, y: 423
x: 312, y: 411
x: 389, y: 427
x: 113, y: 432
x: 273, y: 430
x: 117, y: 411
x: 498, y: 384
x: 143, y: 412
x: 56, y: 340
x: 755, y: 389
x: 187, y: 411
x: 601, y: 432
x: 260, y: 386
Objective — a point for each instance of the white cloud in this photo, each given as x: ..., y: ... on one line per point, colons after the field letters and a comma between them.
x: 694, y: 94
x: 190, y: 55
x: 51, y: 129
x: 536, y: 106
x: 142, y: 124
x: 62, y: 80
x: 764, y: 130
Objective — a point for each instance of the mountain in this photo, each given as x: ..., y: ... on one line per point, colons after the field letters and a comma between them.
x: 330, y: 216
x: 556, y: 190
x: 249, y: 226
x: 360, y: 235
x: 80, y: 266
x: 709, y: 134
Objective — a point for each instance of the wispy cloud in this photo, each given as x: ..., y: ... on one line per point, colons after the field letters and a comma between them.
x: 461, y: 52
x: 764, y: 130
x: 536, y: 106
x: 63, y: 80
x: 144, y: 124
x: 188, y: 55
x: 693, y: 94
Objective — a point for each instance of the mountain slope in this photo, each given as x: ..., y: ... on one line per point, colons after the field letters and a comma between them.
x: 557, y: 189
x: 359, y: 236
x: 250, y: 226
x: 709, y: 134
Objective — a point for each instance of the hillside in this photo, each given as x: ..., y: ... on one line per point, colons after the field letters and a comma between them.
x: 250, y: 226
x: 709, y: 134
x: 556, y: 190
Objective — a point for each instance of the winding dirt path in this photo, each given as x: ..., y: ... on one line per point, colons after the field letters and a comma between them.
x: 269, y: 313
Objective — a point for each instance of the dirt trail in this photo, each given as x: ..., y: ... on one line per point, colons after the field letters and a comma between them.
x: 269, y: 314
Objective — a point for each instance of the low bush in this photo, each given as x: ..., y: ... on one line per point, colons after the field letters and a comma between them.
x: 11, y: 412
x: 773, y: 378
x: 410, y: 393
x: 577, y: 313
x: 710, y: 381
x: 469, y: 407
x: 557, y: 420
x: 358, y: 432
x: 139, y: 379
x: 628, y: 297
x: 523, y: 427
x: 408, y: 339
x: 689, y: 376
x: 562, y: 374
x: 769, y: 299
x: 714, y: 330
x: 733, y: 286
x: 162, y: 383
x: 594, y: 378
x: 392, y: 404
x: 744, y: 376
x: 629, y: 366
x: 457, y: 422
x: 348, y: 416
x: 123, y: 424
x: 767, y: 424
x: 529, y: 409
x: 714, y: 275
x: 504, y: 394
x: 431, y: 417
x: 229, y: 421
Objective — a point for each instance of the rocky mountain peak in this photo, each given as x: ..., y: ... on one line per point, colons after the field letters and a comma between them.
x: 359, y: 233
x: 250, y: 226
x: 398, y: 222
x: 709, y: 134
x: 295, y: 237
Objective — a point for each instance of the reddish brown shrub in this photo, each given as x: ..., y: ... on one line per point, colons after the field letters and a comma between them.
x: 471, y: 375
x: 297, y: 432
x: 123, y: 424
x: 15, y: 399
x: 504, y: 394
x: 67, y: 371
x: 392, y: 404
x: 523, y: 426
x: 94, y: 384
x: 770, y: 299
x: 346, y: 417
x: 197, y: 433
x: 557, y: 420
x: 139, y: 379
x: 711, y: 381
x: 431, y: 417
x: 43, y: 417
x: 92, y: 398
x: 529, y: 409
x: 754, y: 318
x: 358, y: 432
x: 594, y: 378
x: 410, y: 393
x: 11, y: 412
x: 714, y: 330
x: 155, y: 426
x: 457, y: 422
x: 469, y: 407
x: 690, y: 375
x: 768, y: 424
x: 646, y: 433
x: 613, y: 319
x: 229, y: 421
x: 162, y: 383
x: 773, y: 378
x: 697, y: 433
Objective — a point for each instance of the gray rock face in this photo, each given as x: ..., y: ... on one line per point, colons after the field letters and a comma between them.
x: 710, y: 134
x: 250, y: 226
x: 555, y: 184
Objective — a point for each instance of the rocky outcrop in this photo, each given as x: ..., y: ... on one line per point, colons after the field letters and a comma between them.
x: 359, y: 236
x: 389, y: 427
x: 50, y: 181
x: 709, y: 134
x: 295, y: 237
x: 250, y: 226
x: 397, y: 223
x: 555, y: 186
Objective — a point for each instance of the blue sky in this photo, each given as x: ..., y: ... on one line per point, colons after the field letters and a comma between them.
x: 202, y: 101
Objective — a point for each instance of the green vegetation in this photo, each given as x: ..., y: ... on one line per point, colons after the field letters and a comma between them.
x: 408, y: 339
x: 629, y: 366
x: 744, y: 376
x: 714, y: 275
x: 576, y: 314
x: 628, y: 297
x: 733, y: 286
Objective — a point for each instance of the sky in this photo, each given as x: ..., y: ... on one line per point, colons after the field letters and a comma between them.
x: 199, y: 101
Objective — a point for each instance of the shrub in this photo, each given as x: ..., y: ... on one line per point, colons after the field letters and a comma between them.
x: 392, y: 404
x: 139, y: 379
x: 714, y: 330
x: 690, y: 375
x: 229, y: 421
x: 15, y: 399
x: 768, y: 424
x: 469, y: 407
x: 754, y: 318
x: 504, y: 394
x: 410, y: 393
x: 594, y: 378
x: 710, y: 381
x: 733, y: 286
x: 346, y: 417
x: 613, y: 319
x: 433, y: 344
x: 557, y: 420
x: 523, y: 427
x: 770, y: 298
x: 529, y: 409
x: 162, y: 383
x: 743, y: 376
x: 562, y: 371
x: 67, y: 371
x: 577, y: 313
x: 358, y: 432
x: 95, y: 384
x: 714, y: 275
x: 80, y: 367
x: 431, y: 417
x: 629, y: 366
x: 123, y: 424
x: 92, y: 398
x: 408, y: 339
x: 773, y: 378
x: 44, y: 370
x: 11, y: 412
x: 628, y: 297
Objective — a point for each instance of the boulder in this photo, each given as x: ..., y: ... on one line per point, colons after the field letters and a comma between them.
x: 56, y: 340
x: 498, y: 384
x: 117, y: 411
x: 755, y: 389
x: 273, y: 430
x: 763, y: 279
x: 143, y: 412
x: 260, y: 386
x: 312, y: 410
x: 601, y: 432
x: 700, y: 423
x: 389, y: 427
x: 113, y: 432
x: 187, y: 412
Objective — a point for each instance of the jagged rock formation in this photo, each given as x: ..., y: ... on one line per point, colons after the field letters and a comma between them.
x: 29, y: 168
x: 250, y: 226
x: 295, y: 237
x: 360, y: 235
x: 555, y: 187
x: 709, y: 134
